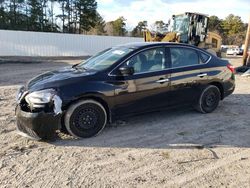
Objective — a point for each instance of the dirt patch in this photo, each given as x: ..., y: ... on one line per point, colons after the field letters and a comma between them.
x: 172, y: 148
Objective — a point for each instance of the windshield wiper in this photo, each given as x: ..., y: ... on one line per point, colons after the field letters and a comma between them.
x: 73, y: 66
x: 79, y: 67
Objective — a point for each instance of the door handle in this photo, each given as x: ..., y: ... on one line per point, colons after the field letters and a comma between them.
x: 162, y: 80
x: 202, y: 75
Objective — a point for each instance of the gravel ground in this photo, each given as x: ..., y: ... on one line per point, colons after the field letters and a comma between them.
x: 175, y: 148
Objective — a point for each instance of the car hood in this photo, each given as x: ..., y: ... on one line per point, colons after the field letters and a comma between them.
x: 56, y: 78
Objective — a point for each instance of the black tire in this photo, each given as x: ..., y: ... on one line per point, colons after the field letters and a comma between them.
x: 63, y: 128
x: 85, y: 119
x: 208, y: 100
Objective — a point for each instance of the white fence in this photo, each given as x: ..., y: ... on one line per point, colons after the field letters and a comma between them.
x: 22, y: 43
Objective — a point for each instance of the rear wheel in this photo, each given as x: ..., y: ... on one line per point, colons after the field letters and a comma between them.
x: 209, y: 99
x: 85, y: 119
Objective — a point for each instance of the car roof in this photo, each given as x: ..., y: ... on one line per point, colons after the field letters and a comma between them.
x: 137, y: 45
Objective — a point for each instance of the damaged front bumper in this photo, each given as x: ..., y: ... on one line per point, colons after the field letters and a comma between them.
x: 38, y: 125
x: 38, y: 120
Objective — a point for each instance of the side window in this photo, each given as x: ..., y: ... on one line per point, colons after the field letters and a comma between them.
x: 203, y: 57
x: 148, y: 60
x: 181, y: 57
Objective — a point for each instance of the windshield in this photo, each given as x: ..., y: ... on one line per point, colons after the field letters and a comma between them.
x: 104, y: 59
x: 181, y: 24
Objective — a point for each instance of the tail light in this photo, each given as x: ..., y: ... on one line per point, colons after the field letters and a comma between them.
x: 231, y: 68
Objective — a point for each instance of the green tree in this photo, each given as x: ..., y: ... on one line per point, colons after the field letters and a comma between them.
x: 232, y: 24
x: 12, y: 14
x: 3, y: 15
x: 52, y: 25
x: 62, y: 16
x: 35, y: 15
x: 71, y: 16
x: 234, y: 30
x: 99, y: 26
x: 87, y: 14
x: 39, y: 15
x: 160, y: 26
x: 214, y: 24
x: 119, y: 27
x: 138, y: 30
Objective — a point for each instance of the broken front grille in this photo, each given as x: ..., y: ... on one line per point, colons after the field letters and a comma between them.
x: 27, y: 131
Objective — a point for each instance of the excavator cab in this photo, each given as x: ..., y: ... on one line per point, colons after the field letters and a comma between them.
x: 190, y: 27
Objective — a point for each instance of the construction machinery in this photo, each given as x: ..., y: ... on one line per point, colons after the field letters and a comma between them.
x: 190, y: 28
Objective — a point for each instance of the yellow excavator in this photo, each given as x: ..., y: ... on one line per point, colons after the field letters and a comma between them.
x: 190, y: 28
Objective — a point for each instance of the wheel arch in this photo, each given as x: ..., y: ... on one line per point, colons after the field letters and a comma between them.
x: 221, y: 88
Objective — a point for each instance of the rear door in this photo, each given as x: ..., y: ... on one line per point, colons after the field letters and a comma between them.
x: 188, y: 74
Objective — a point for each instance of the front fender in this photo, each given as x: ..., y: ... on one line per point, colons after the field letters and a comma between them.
x: 77, y: 91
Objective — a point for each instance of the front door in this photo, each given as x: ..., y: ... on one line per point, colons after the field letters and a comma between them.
x: 147, y: 88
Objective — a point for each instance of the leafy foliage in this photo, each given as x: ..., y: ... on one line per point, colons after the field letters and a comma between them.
x: 87, y: 14
x: 76, y: 16
x: 232, y: 25
x: 138, y: 30
x: 160, y: 26
x: 99, y: 28
x: 232, y: 29
x: 214, y: 24
x: 119, y: 27
x: 81, y: 16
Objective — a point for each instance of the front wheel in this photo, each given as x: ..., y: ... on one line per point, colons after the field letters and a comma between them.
x: 208, y: 100
x: 85, y: 119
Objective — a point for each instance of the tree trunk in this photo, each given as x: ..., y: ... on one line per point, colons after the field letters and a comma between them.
x: 63, y: 16
x: 27, y: 21
x: 52, y: 15
x: 68, y: 6
x: 80, y: 20
x: 14, y: 12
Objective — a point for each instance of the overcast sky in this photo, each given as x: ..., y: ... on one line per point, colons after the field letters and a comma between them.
x: 152, y: 10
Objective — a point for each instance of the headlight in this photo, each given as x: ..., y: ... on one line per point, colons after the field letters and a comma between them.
x: 38, y: 99
x: 20, y: 94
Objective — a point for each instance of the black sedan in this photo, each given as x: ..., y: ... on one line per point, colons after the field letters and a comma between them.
x: 122, y: 81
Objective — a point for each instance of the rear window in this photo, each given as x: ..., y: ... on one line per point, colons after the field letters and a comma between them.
x: 181, y: 57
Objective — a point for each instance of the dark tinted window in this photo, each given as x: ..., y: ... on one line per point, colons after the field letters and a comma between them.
x: 182, y: 57
x: 204, y: 57
x: 148, y: 61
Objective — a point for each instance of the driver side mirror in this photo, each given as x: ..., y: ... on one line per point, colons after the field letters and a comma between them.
x: 126, y: 71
